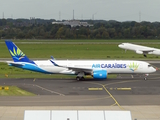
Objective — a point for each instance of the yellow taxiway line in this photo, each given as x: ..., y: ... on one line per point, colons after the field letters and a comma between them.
x: 95, y: 88
x: 124, y: 89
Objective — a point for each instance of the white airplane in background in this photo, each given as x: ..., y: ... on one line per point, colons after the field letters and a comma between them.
x: 98, y: 69
x: 139, y: 49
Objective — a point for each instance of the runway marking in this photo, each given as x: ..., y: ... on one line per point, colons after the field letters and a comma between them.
x: 95, y: 88
x: 124, y: 88
x: 113, y: 97
x: 49, y: 90
x: 120, y: 89
x: 108, y: 93
x: 113, y: 104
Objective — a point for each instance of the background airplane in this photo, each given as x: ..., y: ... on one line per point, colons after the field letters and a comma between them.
x: 139, y: 49
x: 98, y: 69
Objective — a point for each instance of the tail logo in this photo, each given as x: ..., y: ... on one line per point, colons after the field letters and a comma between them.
x: 17, y: 54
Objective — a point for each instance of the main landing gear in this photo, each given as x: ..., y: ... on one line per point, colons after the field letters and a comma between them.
x: 144, y: 55
x: 78, y: 78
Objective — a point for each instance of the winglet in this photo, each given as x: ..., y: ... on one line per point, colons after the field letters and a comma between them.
x: 52, y: 58
x: 54, y: 63
x: 16, y: 53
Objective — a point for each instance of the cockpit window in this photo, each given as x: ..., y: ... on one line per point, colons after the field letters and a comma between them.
x: 149, y: 65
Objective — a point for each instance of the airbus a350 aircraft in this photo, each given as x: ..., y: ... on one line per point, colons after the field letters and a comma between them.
x: 99, y: 69
x: 139, y: 49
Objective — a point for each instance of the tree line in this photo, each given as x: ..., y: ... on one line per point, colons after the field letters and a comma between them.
x: 44, y: 29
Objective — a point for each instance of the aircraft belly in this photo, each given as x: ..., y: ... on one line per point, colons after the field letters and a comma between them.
x: 123, y: 71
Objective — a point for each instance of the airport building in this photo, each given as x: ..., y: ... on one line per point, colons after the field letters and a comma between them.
x: 73, y: 23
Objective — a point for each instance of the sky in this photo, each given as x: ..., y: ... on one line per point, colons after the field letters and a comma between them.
x: 120, y: 10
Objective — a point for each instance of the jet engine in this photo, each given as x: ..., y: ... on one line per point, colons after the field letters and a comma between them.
x: 100, y: 74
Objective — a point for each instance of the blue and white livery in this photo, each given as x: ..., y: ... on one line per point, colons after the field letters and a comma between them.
x: 98, y: 69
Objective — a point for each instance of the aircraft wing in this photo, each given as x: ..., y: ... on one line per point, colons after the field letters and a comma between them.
x: 147, y: 51
x: 80, y: 69
x: 144, y: 51
x: 76, y: 69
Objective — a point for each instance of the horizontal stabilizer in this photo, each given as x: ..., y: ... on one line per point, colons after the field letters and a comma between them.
x: 16, y: 64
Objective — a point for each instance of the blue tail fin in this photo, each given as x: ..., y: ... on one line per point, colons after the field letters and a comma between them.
x: 16, y: 53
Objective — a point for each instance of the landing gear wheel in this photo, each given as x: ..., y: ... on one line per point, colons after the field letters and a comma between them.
x: 78, y: 78
x: 82, y: 78
x: 145, y: 55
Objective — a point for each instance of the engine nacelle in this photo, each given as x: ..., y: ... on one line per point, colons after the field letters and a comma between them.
x: 100, y: 74
x: 139, y: 52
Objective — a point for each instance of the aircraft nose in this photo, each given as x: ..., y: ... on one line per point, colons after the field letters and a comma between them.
x: 120, y: 46
x: 154, y: 69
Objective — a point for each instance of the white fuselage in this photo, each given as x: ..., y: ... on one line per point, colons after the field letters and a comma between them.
x: 139, y: 49
x: 111, y: 66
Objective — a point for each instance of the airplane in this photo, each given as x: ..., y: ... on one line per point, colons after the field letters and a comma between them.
x: 139, y: 49
x: 98, y: 69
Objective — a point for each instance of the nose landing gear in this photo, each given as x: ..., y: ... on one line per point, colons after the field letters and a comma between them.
x: 145, y: 77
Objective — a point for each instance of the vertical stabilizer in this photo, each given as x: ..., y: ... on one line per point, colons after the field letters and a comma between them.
x: 16, y: 53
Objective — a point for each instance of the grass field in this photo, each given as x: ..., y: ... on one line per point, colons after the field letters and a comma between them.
x: 95, y: 49
x: 70, y: 49
x: 13, y: 90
